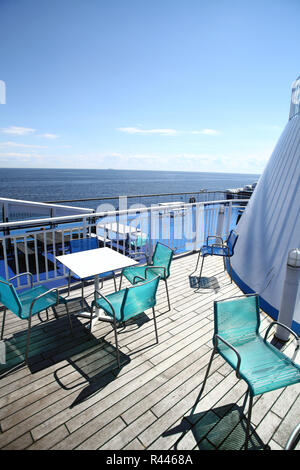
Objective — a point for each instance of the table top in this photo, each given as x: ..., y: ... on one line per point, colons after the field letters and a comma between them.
x: 92, y: 262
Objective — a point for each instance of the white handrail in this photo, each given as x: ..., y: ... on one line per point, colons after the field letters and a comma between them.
x: 69, y: 218
x: 38, y: 248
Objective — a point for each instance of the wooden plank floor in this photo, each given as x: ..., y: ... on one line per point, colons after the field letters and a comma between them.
x: 73, y: 396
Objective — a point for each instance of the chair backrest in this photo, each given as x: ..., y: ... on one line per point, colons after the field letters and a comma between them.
x: 162, y: 256
x: 139, y: 298
x: 231, y: 241
x: 83, y: 244
x: 9, y: 297
x: 237, y: 318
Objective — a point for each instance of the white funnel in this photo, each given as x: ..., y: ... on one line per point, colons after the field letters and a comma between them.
x: 270, y: 225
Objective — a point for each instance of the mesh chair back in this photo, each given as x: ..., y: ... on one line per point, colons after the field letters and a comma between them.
x: 237, y: 319
x: 162, y: 256
x: 231, y: 241
x: 139, y: 298
x: 82, y: 244
x: 9, y: 297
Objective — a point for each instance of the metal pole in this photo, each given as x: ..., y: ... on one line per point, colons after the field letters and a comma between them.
x: 289, y: 295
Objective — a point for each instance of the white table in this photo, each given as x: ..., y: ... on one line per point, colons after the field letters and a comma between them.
x: 94, y: 262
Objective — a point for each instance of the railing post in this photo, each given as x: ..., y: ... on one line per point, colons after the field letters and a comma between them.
x: 289, y: 295
x: 220, y: 223
x: 199, y: 225
x: 228, y: 225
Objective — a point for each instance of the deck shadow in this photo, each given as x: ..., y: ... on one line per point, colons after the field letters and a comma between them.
x: 50, y: 342
x: 93, y: 361
x: 221, y: 428
x: 45, y: 340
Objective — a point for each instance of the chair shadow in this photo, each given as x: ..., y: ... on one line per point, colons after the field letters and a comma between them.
x: 206, y: 283
x: 221, y: 428
x: 51, y: 343
x: 98, y: 367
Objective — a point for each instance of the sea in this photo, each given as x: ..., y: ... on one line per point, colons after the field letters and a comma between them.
x: 45, y: 185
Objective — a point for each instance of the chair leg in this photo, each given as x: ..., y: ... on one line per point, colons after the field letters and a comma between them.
x: 198, y: 260
x: 155, y: 324
x: 201, y: 267
x: 28, y: 340
x: 55, y: 313
x: 249, y: 421
x: 167, y: 290
x: 3, y: 322
x: 207, y: 371
x: 115, y: 282
x: 230, y: 273
x: 117, y: 345
x: 70, y: 319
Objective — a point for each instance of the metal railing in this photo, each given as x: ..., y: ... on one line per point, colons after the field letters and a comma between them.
x: 33, y: 246
x: 204, y: 195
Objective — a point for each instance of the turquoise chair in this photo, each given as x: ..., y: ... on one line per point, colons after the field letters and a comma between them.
x: 84, y: 244
x: 160, y: 265
x: 127, y: 303
x: 28, y: 303
x: 219, y: 248
x: 237, y: 339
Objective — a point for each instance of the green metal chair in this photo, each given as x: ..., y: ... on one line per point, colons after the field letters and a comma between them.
x: 28, y: 303
x: 255, y: 360
x: 218, y: 248
x: 127, y: 303
x: 160, y: 265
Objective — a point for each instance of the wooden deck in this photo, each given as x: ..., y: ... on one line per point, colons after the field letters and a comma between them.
x: 73, y: 396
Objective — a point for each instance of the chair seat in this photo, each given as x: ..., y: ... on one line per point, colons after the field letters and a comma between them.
x: 116, y: 299
x: 140, y: 271
x: 213, y: 250
x: 27, y: 297
x: 262, y: 366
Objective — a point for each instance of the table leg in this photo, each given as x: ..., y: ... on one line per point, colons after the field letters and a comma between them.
x: 86, y: 313
x: 97, y: 296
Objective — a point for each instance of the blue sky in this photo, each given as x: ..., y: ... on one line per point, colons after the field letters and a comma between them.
x: 186, y: 85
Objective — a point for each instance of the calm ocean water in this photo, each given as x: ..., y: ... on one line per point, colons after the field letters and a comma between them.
x: 61, y: 184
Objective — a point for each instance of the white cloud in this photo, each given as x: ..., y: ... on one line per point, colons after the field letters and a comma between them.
x: 15, y: 154
x: 136, y: 130
x: 206, y: 132
x: 49, y: 136
x: 19, y: 145
x: 17, y: 130
x: 166, y: 132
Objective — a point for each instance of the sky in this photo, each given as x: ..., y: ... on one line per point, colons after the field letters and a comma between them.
x: 183, y: 85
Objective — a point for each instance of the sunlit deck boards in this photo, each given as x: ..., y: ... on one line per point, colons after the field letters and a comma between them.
x: 74, y: 397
